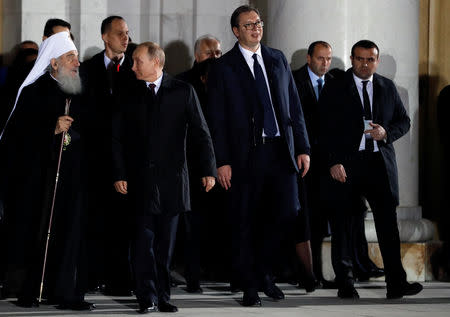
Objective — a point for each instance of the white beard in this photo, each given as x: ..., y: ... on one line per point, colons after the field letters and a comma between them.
x: 68, y: 84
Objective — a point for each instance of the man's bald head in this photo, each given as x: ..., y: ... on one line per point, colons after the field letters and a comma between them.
x: 206, y: 46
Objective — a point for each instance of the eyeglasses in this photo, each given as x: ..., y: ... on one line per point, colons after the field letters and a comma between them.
x: 369, y: 60
x: 250, y: 26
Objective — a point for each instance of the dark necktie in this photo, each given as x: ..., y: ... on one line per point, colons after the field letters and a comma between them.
x: 319, y: 86
x: 112, y: 66
x: 270, y: 126
x: 110, y: 70
x: 151, y: 88
x: 367, y: 114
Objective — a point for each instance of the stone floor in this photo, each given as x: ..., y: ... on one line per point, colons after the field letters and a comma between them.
x: 217, y: 301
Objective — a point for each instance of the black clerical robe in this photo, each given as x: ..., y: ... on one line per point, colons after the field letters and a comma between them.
x: 31, y: 149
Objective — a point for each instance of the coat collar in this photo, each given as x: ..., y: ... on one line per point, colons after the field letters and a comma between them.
x: 377, y: 89
x: 241, y: 63
x: 269, y: 60
x: 352, y: 90
x: 266, y: 55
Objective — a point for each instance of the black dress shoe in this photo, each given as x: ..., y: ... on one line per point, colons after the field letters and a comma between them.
x: 251, y: 298
x: 365, y: 276
x: 166, y: 307
x: 145, y: 308
x: 272, y: 291
x: 82, y: 305
x: 309, y: 284
x: 328, y: 284
x: 94, y: 289
x: 377, y: 272
x: 407, y: 289
x: 348, y: 292
x: 27, y: 302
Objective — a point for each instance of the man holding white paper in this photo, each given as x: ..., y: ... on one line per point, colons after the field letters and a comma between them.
x: 362, y: 116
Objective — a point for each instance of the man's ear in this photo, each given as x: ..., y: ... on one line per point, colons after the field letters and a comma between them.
x: 54, y: 64
x: 196, y: 56
x: 156, y: 61
x: 236, y: 31
x: 104, y: 36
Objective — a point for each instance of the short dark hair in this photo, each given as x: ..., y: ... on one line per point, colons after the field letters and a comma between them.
x: 234, y: 21
x: 313, y: 45
x: 51, y: 23
x: 106, y: 23
x: 28, y: 42
x: 365, y: 44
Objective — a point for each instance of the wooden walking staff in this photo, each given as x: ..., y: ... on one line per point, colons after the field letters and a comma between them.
x: 66, y: 113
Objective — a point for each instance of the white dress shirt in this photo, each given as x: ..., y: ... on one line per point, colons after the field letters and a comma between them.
x: 107, y: 60
x: 314, y: 82
x: 248, y: 56
x: 157, y: 83
x: 369, y: 87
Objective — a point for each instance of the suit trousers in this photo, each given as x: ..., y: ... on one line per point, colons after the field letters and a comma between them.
x: 367, y: 177
x: 362, y: 264
x: 264, y: 204
x: 151, y: 255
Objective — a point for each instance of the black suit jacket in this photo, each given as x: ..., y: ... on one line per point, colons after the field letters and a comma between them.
x: 342, y: 125
x: 310, y: 104
x: 97, y: 86
x: 149, y: 140
x: 234, y: 117
x: 101, y: 96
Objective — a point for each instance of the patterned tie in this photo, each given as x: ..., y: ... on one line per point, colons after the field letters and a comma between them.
x: 319, y: 86
x: 270, y: 126
x: 367, y: 115
x: 151, y: 88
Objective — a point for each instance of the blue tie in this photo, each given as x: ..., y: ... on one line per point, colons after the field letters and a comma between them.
x: 319, y: 87
x: 270, y: 126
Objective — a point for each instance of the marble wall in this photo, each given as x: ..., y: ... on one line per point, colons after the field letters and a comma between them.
x: 290, y: 26
x: 174, y: 24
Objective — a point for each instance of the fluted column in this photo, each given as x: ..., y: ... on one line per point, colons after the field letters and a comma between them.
x: 292, y: 25
x: 174, y: 24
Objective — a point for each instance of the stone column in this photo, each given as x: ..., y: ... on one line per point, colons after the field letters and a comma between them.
x: 394, y: 25
x: 174, y: 24
x: 292, y: 25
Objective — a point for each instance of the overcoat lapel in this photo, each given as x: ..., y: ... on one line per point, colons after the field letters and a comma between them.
x: 354, y: 95
x: 376, y: 98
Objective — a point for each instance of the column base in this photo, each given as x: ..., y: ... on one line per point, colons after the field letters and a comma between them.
x: 416, y: 234
x: 415, y: 259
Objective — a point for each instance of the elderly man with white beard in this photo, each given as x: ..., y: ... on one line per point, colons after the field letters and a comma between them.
x: 45, y: 118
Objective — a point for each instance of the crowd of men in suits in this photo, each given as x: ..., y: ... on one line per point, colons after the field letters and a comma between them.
x: 296, y: 154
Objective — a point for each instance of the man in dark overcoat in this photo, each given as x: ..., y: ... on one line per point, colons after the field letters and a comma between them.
x: 261, y: 144
x: 103, y: 76
x: 149, y: 163
x: 361, y: 116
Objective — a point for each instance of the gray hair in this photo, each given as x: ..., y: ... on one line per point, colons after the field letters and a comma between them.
x: 49, y: 68
x: 154, y: 51
x: 203, y: 38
